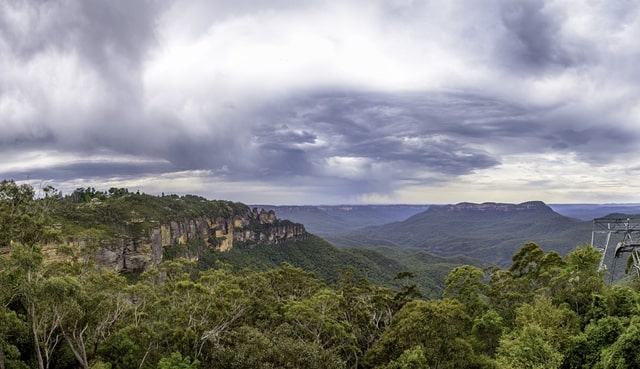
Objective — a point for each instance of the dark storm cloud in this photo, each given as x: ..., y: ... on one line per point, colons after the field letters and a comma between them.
x: 64, y: 172
x: 101, y: 31
x: 194, y: 87
x: 533, y: 39
x: 448, y: 133
x: 282, y: 138
x: 412, y: 133
x: 107, y: 40
x: 39, y: 136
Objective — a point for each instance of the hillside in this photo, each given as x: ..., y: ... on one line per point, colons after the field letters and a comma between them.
x: 131, y: 233
x: 272, y: 301
x: 489, y: 231
x: 379, y: 265
x: 325, y: 220
x: 592, y: 211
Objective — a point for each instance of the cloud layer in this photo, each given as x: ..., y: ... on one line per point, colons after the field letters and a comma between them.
x: 318, y: 102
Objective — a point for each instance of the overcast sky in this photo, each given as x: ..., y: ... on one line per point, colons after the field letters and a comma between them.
x: 325, y: 102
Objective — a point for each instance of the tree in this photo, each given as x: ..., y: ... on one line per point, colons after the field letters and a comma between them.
x: 535, y: 269
x: 25, y: 224
x: 368, y: 309
x: 252, y: 348
x: 528, y: 348
x: 487, y: 330
x: 623, y: 353
x: 320, y: 320
x: 526, y: 262
x: 439, y: 327
x: 176, y: 361
x: 10, y: 326
x: 506, y: 294
x: 584, y: 349
x: 93, y: 311
x: 465, y: 284
x: 409, y: 290
x: 579, y: 279
x: 413, y: 358
x: 24, y: 219
x: 532, y: 273
x: 540, y: 337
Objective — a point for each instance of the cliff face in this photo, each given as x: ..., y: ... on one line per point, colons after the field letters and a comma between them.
x: 138, y: 253
x: 492, y: 206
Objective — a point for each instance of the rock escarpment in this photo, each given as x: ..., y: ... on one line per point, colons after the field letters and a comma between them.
x: 141, y: 243
x: 492, y: 207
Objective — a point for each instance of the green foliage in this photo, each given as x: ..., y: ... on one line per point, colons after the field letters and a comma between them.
x: 584, y: 349
x: 190, y: 249
x: 465, y: 284
x: 329, y: 263
x: 117, y: 212
x: 413, y: 358
x: 579, y: 279
x: 176, y: 361
x: 439, y: 327
x: 299, y: 304
x: 528, y: 348
x: 489, y: 235
x: 539, y: 338
x: 180, y: 315
x: 23, y: 218
x: 251, y: 348
x: 486, y: 332
x: 623, y: 353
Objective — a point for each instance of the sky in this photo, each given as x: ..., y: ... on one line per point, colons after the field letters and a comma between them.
x: 325, y: 102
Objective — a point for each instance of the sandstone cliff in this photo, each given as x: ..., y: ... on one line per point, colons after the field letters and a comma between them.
x: 141, y: 242
x: 492, y: 207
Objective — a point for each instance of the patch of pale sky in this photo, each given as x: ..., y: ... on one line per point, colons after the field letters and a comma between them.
x: 259, y: 54
x: 549, y: 177
x: 53, y: 86
x: 21, y: 161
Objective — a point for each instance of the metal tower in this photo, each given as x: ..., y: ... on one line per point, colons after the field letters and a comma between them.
x: 626, y: 231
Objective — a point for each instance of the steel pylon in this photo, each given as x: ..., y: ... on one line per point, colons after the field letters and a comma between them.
x: 626, y: 231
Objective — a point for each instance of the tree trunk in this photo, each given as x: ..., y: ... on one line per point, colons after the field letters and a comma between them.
x: 34, y: 330
x: 80, y: 353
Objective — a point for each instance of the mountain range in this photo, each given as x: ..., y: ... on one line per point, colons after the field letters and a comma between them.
x: 592, y: 211
x: 490, y: 231
x: 132, y: 233
x: 324, y: 220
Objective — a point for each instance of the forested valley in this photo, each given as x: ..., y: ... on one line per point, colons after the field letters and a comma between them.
x: 545, y: 310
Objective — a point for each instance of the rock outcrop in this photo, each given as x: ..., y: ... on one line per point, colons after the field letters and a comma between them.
x: 492, y: 206
x: 134, y: 253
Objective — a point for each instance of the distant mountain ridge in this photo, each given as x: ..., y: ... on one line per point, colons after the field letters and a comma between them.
x: 592, y: 211
x: 489, y: 231
x: 325, y: 220
x: 492, y: 206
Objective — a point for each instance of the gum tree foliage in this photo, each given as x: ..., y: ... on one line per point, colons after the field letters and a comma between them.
x: 24, y: 226
x: 60, y: 310
x: 436, y: 329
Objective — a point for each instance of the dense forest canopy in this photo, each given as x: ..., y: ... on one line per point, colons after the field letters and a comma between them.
x: 544, y: 311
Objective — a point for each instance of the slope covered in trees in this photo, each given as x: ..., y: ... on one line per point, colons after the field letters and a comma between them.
x: 542, y: 311
x: 490, y: 231
x: 328, y: 220
x: 83, y: 223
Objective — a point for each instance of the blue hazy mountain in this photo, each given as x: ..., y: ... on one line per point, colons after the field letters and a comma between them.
x: 591, y: 211
x: 325, y: 220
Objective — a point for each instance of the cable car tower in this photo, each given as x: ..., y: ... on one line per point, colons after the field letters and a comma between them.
x: 626, y: 231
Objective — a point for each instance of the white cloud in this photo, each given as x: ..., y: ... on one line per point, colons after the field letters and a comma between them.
x: 549, y: 89
x: 552, y: 178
